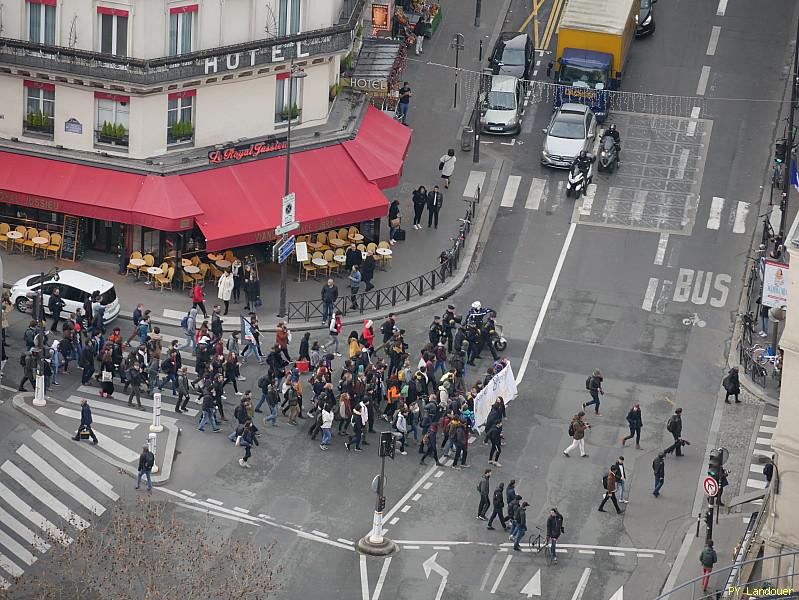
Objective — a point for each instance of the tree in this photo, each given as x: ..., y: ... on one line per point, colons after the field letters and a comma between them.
x: 146, y: 552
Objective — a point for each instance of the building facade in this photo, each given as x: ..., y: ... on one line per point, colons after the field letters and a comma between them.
x: 142, y: 78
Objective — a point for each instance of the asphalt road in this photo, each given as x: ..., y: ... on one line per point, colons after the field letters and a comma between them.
x: 642, y: 284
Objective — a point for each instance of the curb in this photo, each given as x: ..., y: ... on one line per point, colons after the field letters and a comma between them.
x: 165, y: 470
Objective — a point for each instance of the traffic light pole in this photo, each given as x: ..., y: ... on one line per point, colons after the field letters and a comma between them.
x: 374, y: 543
x: 376, y: 537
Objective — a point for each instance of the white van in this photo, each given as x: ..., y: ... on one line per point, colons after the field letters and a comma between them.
x: 74, y: 286
x: 502, y: 106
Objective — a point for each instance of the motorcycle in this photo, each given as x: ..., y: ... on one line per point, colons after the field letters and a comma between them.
x: 578, y: 180
x: 498, y: 340
x: 608, y: 155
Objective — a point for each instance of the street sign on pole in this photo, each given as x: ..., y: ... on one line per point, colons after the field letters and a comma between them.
x: 288, y: 209
x: 286, y: 248
x: 286, y: 228
x: 710, y: 486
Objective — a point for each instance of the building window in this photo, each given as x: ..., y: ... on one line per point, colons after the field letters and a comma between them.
x: 112, y: 119
x: 113, y: 31
x: 282, y: 101
x: 289, y: 17
x: 180, y: 117
x: 41, y: 21
x: 181, y: 29
x: 39, y: 107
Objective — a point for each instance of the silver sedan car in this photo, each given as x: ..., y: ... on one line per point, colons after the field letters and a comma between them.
x: 572, y: 129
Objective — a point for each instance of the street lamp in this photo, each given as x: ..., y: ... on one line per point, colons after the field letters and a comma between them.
x: 38, y: 310
x: 457, y: 43
x: 295, y: 73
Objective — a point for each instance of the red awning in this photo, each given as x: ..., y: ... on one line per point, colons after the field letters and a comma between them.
x: 379, y: 148
x: 241, y: 204
x: 149, y: 200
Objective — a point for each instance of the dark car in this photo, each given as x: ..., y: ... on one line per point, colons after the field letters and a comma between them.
x: 512, y: 55
x: 645, y: 22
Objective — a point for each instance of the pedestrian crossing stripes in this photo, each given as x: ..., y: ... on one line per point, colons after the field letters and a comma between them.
x: 533, y: 198
x: 41, y: 506
x: 476, y: 180
x: 511, y: 189
x: 762, y: 452
x: 738, y: 213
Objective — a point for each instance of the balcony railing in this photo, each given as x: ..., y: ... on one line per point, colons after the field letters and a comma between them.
x: 203, y: 63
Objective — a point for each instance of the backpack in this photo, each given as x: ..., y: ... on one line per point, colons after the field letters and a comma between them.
x: 29, y: 336
x: 605, y: 481
x: 726, y: 383
x: 21, y: 360
x: 571, y: 428
x: 184, y: 322
x: 669, y: 425
x: 149, y: 461
x: 588, y: 383
x: 263, y: 382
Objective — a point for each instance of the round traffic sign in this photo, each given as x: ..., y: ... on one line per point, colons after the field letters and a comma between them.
x: 711, y: 486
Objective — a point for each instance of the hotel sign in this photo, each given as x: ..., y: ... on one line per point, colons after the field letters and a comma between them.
x: 254, y: 150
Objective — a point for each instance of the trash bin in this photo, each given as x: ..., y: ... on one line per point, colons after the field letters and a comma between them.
x: 467, y: 138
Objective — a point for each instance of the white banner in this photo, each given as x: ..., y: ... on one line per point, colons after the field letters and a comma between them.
x: 775, y: 284
x: 502, y: 384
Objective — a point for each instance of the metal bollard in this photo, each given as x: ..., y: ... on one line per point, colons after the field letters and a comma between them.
x: 156, y: 426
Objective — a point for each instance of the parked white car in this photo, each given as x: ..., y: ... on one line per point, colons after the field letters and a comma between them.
x: 75, y: 287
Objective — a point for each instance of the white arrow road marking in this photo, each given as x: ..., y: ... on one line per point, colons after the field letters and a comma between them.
x: 501, y: 573
x: 533, y: 587
x: 581, y: 585
x: 619, y: 595
x: 431, y: 565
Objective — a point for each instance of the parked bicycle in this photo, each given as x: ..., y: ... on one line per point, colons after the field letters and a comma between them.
x: 538, y: 543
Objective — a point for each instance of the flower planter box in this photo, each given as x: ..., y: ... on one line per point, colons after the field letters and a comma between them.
x: 112, y: 140
x: 183, y: 139
x: 43, y: 129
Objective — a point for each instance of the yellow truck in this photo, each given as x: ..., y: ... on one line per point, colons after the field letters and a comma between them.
x: 594, y: 39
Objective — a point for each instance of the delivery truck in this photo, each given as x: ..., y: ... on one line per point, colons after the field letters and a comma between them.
x: 594, y: 40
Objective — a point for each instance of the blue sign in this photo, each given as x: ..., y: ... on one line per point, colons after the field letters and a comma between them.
x: 286, y: 249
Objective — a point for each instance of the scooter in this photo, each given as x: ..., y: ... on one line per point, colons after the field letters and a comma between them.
x: 578, y: 180
x: 608, y: 155
x: 498, y: 340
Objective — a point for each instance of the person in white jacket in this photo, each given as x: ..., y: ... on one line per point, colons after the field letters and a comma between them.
x: 327, y: 424
x: 225, y: 288
x: 446, y: 165
x: 402, y: 427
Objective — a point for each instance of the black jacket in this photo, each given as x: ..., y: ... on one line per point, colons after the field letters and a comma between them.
x: 521, y: 519
x: 659, y: 467
x: 555, y: 526
x: 56, y: 305
x: 419, y: 200
x: 634, y: 419
x: 352, y: 258
x: 146, y: 461
x: 499, y: 497
x: 393, y: 211
x: 208, y: 403
x: 435, y: 200
x: 368, y: 267
x: 676, y: 425
x: 85, y: 415
x: 494, y: 436
x: 329, y: 294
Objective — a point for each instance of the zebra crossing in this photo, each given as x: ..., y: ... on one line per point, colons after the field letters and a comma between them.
x: 533, y: 191
x: 762, y: 452
x: 47, y: 494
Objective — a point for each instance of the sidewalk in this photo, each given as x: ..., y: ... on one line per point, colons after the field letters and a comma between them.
x: 120, y: 430
x: 432, y: 118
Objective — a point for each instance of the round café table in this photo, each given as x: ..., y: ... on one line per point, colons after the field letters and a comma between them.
x: 222, y: 263
x: 40, y: 242
x: 340, y: 259
x: 385, y: 253
x: 337, y: 243
x: 14, y: 236
x: 185, y: 262
x: 191, y: 269
x: 137, y: 262
x: 215, y: 257
x: 356, y: 237
x: 319, y: 263
x: 153, y: 271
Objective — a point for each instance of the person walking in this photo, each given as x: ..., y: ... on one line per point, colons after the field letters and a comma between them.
x: 484, y: 488
x: 247, y: 440
x: 183, y: 390
x: 635, y: 423
x: 520, y: 523
x: 368, y: 270
x: 189, y: 326
x: 707, y: 558
x: 56, y: 305
x: 355, y: 284
x: 610, y: 492
x: 435, y: 200
x: 293, y: 400
x: 768, y: 470
x: 135, y: 379
x: 418, y: 30
x: 403, y: 102
x: 577, y: 429
x: 333, y: 329
x: 554, y: 529
x: 329, y: 297
x: 674, y: 427
x: 446, y: 164
x: 594, y: 386
x: 621, y: 477
x: 225, y: 285
x: 419, y: 200
x: 498, y: 501
x: 352, y: 257
x: 494, y: 436
x: 237, y: 270
x: 326, y: 426
x: 394, y: 221
x: 731, y: 385
x: 146, y: 462
x: 208, y: 405
x: 85, y: 421
x: 659, y: 470
x: 198, y: 299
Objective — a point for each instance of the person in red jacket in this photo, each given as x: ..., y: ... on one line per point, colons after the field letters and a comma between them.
x: 368, y: 333
x: 198, y: 299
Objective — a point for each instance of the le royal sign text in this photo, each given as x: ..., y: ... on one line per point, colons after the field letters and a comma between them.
x: 254, y: 150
